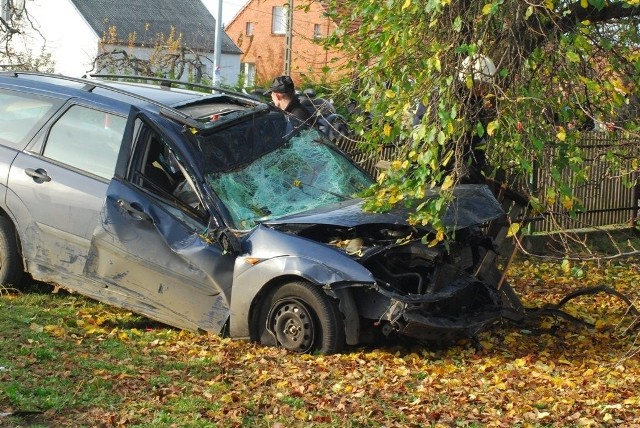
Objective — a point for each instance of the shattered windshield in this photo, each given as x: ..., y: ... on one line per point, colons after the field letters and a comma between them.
x: 303, y: 173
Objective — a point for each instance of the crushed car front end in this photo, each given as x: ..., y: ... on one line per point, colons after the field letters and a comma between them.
x: 290, y: 197
x: 420, y: 291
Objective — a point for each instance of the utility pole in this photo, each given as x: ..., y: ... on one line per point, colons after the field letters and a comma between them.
x: 288, y: 39
x: 217, y: 46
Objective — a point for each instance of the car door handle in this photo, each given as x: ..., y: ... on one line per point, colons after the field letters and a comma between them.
x: 39, y: 175
x: 134, y: 210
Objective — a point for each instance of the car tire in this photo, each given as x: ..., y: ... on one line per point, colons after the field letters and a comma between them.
x: 301, y: 318
x: 11, y: 271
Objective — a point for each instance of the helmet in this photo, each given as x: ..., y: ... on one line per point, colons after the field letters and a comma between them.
x: 481, y: 68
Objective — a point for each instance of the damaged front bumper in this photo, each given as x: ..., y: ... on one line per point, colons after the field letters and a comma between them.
x: 462, y: 308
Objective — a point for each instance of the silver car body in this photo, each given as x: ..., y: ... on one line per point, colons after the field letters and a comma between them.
x: 255, y: 210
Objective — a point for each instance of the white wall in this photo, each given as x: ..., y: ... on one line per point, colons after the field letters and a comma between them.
x: 69, y: 39
x: 229, y: 67
x: 73, y: 44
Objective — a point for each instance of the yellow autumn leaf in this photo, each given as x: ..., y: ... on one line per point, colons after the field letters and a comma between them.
x: 551, y: 196
x: 549, y: 4
x: 389, y: 93
x: 387, y: 129
x: 600, y: 324
x: 513, y: 229
x: 300, y: 415
x: 584, y: 3
x: 447, y: 158
x: 561, y: 135
x: 567, y: 202
x: 486, y: 9
x: 406, y: 4
x: 491, y: 127
x: 448, y: 182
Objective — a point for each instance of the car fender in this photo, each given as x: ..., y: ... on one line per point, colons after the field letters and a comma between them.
x: 273, y: 255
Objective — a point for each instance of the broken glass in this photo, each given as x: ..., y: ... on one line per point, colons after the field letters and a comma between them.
x: 302, y: 174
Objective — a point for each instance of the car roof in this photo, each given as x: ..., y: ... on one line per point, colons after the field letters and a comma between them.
x: 194, y: 103
x: 164, y: 97
x: 167, y: 93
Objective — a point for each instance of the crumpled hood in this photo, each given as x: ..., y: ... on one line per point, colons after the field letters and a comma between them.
x: 472, y: 205
x: 347, y: 214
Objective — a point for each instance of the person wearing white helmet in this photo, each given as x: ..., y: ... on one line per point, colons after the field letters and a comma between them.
x: 479, y: 68
x: 477, y: 72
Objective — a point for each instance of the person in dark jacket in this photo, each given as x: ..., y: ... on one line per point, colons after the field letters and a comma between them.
x: 283, y: 94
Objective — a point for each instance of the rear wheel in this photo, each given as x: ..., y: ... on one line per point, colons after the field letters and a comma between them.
x: 11, y: 271
x: 300, y: 317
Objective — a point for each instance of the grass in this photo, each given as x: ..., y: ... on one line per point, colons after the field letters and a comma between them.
x: 79, y: 363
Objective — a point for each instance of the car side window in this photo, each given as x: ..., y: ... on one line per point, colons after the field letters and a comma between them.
x: 158, y: 170
x: 86, y: 139
x: 20, y: 114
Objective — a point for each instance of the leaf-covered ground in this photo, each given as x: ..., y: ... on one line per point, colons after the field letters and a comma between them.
x: 85, y: 364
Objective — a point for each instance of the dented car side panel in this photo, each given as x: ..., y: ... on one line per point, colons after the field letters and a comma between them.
x: 143, y: 250
x: 55, y: 218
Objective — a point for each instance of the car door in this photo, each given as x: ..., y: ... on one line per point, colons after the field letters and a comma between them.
x: 151, y: 248
x: 57, y: 187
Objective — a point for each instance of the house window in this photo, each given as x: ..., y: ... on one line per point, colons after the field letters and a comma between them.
x: 249, y: 29
x: 317, y: 31
x: 249, y: 70
x: 279, y: 23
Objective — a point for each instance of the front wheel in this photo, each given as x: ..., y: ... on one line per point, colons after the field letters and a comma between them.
x: 300, y: 317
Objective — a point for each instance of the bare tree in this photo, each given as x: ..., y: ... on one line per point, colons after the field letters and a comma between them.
x: 168, y: 57
x: 15, y: 24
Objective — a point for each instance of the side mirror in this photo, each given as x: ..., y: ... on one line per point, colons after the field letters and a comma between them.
x: 227, y: 239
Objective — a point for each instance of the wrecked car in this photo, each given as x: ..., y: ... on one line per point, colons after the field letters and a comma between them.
x: 216, y: 213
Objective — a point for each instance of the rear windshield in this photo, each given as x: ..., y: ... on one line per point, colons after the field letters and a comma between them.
x: 244, y: 141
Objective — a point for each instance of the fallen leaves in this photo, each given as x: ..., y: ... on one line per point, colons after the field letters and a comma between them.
x: 556, y: 375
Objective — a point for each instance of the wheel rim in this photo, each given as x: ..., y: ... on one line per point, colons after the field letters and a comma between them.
x: 293, y: 325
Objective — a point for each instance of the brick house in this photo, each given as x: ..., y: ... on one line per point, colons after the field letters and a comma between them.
x: 259, y: 29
